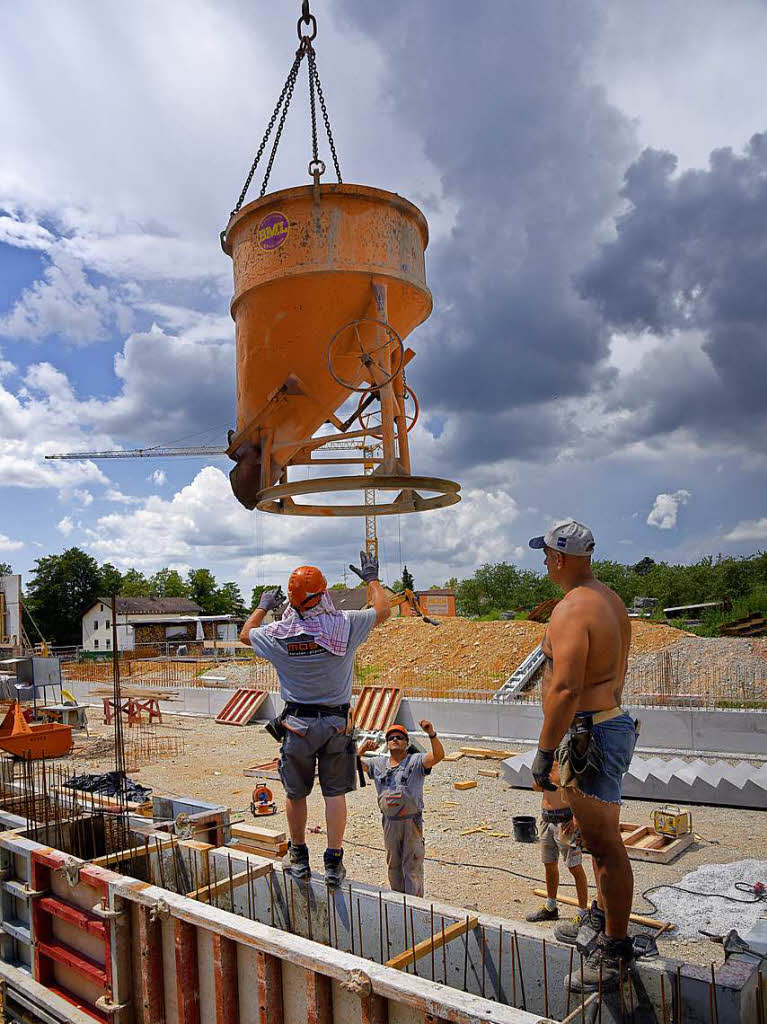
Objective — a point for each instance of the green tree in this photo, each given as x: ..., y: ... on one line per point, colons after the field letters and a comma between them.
x: 229, y: 601
x: 644, y: 566
x: 202, y: 589
x: 5, y: 569
x: 61, y: 588
x: 337, y: 586
x: 398, y: 586
x: 111, y: 579
x: 408, y: 583
x: 135, y: 584
x: 168, y: 583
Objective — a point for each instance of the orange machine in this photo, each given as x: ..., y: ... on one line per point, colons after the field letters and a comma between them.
x: 329, y: 280
x: 18, y: 737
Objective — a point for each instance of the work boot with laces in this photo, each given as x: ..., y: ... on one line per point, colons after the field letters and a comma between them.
x: 335, y: 872
x: 296, y: 861
x: 605, y: 966
x: 592, y: 917
x: 543, y: 914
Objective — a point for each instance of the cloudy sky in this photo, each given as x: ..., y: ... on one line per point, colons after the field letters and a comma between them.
x: 595, y: 179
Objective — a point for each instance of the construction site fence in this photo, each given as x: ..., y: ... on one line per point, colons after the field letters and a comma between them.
x: 663, y: 680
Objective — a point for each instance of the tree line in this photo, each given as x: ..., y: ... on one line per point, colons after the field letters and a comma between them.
x: 62, y: 587
x: 505, y: 587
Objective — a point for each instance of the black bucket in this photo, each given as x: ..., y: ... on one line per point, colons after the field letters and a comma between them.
x: 525, y: 828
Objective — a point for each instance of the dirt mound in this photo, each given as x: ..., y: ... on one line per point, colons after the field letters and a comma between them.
x: 476, y: 648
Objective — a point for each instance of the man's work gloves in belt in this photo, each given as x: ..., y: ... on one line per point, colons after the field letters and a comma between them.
x: 369, y: 570
x: 271, y: 599
x: 542, y: 765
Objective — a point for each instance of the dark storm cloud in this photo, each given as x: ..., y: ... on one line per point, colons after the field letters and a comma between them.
x: 532, y: 156
x: 691, y: 255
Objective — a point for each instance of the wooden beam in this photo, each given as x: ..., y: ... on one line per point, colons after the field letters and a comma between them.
x: 648, y: 922
x: 207, y: 892
x: 269, y: 972
x: 187, y: 972
x: 151, y: 992
x: 435, y: 941
x: 225, y: 972
x: 319, y: 999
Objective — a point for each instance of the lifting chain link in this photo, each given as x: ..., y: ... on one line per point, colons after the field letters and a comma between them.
x: 316, y: 166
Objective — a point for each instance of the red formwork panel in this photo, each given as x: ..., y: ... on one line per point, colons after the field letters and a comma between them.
x: 377, y: 707
x: 49, y: 948
x: 241, y: 707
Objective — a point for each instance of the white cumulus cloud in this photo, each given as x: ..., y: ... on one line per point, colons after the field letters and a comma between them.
x: 664, y: 512
x: 749, y: 529
x: 6, y: 544
x: 158, y: 477
x: 65, y: 525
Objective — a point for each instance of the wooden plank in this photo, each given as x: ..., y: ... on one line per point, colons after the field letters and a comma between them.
x: 225, y: 974
x: 664, y: 855
x: 151, y: 990
x: 648, y: 922
x: 455, y: 756
x: 274, y: 852
x: 319, y: 999
x: 269, y: 973
x: 187, y: 978
x: 498, y: 755
x: 488, y: 773
x: 257, y: 833
x: 435, y: 941
x: 207, y: 892
x: 466, y: 784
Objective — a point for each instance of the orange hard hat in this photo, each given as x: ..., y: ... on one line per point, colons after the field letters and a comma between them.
x: 306, y: 586
x: 399, y: 729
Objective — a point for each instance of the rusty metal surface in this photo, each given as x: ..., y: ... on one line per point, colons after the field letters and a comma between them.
x: 304, y: 260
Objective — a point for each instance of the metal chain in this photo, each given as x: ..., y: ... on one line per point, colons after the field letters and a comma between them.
x: 290, y: 84
x: 316, y: 167
x: 313, y: 71
x: 288, y: 87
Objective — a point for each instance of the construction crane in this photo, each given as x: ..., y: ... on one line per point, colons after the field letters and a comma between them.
x: 157, y: 452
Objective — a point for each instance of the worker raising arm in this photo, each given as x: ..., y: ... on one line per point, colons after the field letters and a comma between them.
x: 312, y: 650
x: 399, y: 782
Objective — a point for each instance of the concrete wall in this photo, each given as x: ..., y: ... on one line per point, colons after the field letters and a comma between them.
x: 675, y: 730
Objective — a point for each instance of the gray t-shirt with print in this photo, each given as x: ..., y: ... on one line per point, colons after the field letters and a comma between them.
x: 407, y: 776
x: 308, y: 673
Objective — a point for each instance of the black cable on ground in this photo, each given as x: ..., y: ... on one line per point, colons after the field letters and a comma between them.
x: 465, y: 864
x: 759, y: 896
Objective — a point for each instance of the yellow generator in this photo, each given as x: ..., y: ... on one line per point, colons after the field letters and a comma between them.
x: 671, y: 820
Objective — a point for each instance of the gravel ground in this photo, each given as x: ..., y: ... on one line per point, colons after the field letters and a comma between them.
x: 215, y: 755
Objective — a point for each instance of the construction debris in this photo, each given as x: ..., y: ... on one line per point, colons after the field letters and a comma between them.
x: 488, y: 773
x: 466, y: 784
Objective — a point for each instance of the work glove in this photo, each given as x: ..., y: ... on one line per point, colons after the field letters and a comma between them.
x: 271, y: 599
x: 369, y: 570
x: 542, y: 765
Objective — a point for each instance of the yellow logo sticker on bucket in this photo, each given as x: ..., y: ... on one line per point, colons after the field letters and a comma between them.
x: 272, y: 231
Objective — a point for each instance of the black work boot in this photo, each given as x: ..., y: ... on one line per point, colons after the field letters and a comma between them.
x: 592, y: 917
x: 335, y: 872
x: 543, y: 914
x: 609, y: 962
x: 296, y: 861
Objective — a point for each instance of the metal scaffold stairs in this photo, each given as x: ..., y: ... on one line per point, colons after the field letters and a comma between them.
x: 520, y: 677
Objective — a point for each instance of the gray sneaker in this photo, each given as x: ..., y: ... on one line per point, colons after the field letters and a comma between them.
x: 543, y: 914
x: 567, y: 931
x: 605, y: 968
x: 296, y: 861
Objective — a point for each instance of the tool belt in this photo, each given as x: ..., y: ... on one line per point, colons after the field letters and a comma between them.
x: 316, y: 710
x: 579, y: 755
x: 556, y: 817
x: 276, y: 728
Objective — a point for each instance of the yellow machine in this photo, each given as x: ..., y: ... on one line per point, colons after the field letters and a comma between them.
x: 409, y: 598
x: 670, y: 820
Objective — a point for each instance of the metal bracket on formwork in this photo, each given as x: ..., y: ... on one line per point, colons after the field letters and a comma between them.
x: 183, y: 825
x: 71, y: 868
x: 105, y: 1004
x: 160, y: 911
x: 107, y: 914
x: 34, y: 894
x: 358, y: 983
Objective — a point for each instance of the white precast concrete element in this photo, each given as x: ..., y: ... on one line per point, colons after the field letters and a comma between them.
x: 716, y: 783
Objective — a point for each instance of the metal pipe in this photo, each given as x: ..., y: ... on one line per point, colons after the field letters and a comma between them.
x: 545, y: 984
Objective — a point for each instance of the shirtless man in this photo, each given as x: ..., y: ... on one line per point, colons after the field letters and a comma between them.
x: 586, y: 647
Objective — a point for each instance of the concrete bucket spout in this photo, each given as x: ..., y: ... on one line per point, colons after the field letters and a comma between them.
x: 328, y: 281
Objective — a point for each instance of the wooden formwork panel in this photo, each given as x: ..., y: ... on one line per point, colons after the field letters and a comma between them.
x: 241, y: 707
x: 377, y: 707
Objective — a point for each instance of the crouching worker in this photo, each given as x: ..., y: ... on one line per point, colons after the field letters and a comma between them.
x: 559, y: 835
x: 312, y: 650
x: 399, y: 781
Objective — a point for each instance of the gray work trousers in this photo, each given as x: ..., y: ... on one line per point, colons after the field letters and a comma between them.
x: 404, y: 844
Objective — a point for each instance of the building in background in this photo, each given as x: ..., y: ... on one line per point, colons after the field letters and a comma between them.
x: 432, y: 602
x: 152, y: 620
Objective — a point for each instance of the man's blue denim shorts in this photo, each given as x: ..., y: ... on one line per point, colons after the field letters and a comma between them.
x: 616, y: 739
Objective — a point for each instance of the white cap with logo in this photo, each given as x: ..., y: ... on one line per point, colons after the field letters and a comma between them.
x: 569, y: 537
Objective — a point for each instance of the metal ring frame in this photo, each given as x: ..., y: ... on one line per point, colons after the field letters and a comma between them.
x: 389, y: 374
x: 278, y: 499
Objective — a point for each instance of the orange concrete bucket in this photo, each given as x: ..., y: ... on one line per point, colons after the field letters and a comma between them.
x: 328, y: 282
